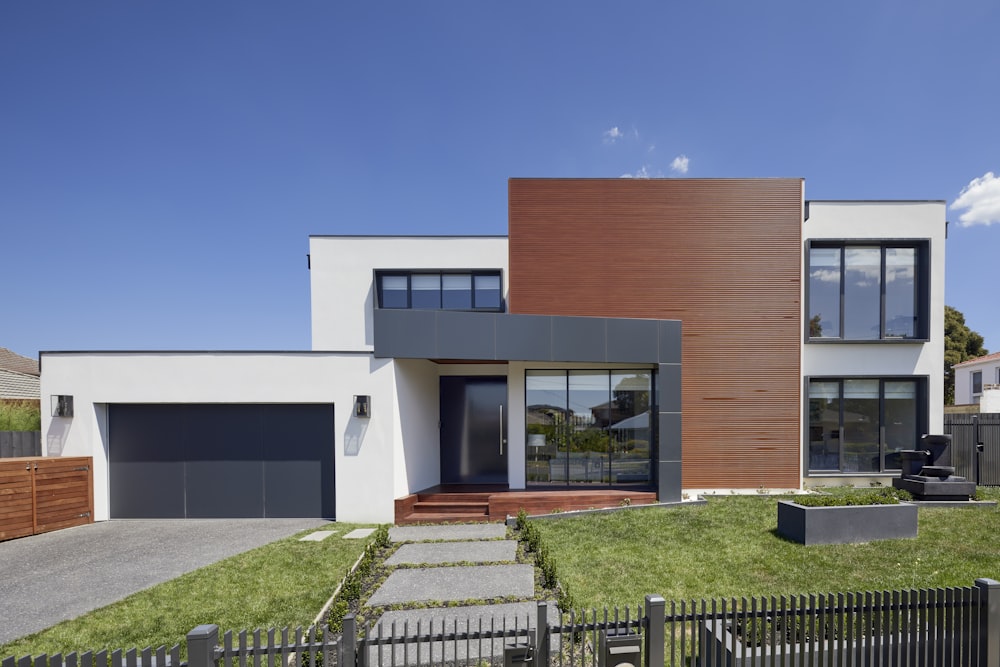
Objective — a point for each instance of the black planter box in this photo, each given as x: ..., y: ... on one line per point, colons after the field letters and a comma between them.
x: 843, y: 524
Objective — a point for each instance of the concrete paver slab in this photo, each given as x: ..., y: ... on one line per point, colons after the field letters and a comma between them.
x: 318, y: 536
x: 359, y: 533
x: 444, y: 584
x: 435, y: 553
x: 60, y: 575
x: 474, y: 531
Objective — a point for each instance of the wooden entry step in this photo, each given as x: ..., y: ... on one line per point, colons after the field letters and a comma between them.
x: 440, y: 505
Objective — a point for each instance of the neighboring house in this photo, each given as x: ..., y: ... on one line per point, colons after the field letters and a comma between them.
x: 662, y: 334
x: 18, y: 377
x: 977, y: 381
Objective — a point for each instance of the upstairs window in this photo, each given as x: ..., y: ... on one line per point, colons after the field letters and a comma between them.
x: 867, y: 291
x: 977, y: 382
x: 439, y: 290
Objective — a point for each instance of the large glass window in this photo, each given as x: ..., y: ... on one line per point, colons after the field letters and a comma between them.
x: 588, y: 427
x: 439, y: 290
x: 859, y: 425
x: 866, y: 292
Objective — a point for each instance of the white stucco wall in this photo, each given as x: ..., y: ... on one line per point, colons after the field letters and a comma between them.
x: 891, y: 220
x: 363, y: 447
x: 342, y: 277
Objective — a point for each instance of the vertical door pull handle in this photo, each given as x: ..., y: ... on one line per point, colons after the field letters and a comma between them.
x: 501, y: 429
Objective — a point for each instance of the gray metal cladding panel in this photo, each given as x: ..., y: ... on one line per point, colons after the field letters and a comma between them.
x: 408, y: 334
x: 670, y: 341
x: 670, y: 436
x: 668, y: 389
x: 668, y: 487
x: 463, y: 335
x: 298, y: 461
x: 632, y: 341
x: 579, y: 339
x: 524, y: 337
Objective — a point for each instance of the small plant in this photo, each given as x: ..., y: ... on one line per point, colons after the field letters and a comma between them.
x: 763, y: 490
x: 556, y: 510
x: 626, y: 502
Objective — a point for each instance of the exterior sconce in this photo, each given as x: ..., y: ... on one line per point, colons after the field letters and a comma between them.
x: 363, y: 406
x: 62, y: 406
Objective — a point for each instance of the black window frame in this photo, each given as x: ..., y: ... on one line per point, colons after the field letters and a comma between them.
x: 922, y: 247
x: 921, y: 426
x: 408, y: 274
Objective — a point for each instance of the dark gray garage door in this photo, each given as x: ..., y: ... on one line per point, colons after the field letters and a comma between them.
x: 221, y: 461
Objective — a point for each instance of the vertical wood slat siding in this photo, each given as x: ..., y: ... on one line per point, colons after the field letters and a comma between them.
x: 723, y: 256
x: 40, y: 494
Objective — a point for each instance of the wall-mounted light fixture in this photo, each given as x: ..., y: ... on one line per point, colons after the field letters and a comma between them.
x: 62, y: 406
x: 363, y: 406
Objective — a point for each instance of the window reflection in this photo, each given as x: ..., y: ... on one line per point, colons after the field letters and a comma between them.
x: 588, y: 427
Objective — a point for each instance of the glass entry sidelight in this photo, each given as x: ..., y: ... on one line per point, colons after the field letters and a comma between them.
x: 588, y: 427
x: 473, y: 430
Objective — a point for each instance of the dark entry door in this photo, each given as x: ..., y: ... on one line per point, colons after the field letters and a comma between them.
x: 473, y: 430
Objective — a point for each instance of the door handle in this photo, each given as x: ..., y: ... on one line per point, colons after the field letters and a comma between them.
x: 501, y: 429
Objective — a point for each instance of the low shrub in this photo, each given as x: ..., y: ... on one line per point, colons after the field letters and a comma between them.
x: 887, y: 495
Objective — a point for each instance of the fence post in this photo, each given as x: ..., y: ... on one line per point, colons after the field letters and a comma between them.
x: 348, y: 642
x: 989, y: 621
x: 542, y: 634
x: 655, y: 610
x: 201, y: 643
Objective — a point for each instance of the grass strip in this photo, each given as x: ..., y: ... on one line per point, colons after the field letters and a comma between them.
x: 729, y: 548
x: 284, y: 583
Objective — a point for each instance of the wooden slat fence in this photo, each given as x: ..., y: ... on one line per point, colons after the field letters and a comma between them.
x: 20, y: 443
x: 40, y: 494
x: 941, y: 627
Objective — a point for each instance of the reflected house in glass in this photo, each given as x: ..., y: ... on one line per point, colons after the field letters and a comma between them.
x: 648, y: 335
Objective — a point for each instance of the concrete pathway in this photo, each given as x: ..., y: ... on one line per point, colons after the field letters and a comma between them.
x: 447, y: 564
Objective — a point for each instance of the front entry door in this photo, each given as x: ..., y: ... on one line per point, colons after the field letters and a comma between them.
x: 473, y: 430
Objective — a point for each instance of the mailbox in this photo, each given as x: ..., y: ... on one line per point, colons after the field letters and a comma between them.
x: 620, y: 650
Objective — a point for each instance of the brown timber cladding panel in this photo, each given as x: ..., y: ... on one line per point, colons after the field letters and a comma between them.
x: 723, y: 256
x: 39, y: 494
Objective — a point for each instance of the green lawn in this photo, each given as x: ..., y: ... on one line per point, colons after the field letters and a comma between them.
x: 285, y: 583
x: 729, y: 548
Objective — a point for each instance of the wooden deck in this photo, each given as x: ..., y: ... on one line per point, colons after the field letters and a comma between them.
x: 465, y: 503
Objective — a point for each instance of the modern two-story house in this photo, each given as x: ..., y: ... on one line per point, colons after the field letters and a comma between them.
x: 651, y: 336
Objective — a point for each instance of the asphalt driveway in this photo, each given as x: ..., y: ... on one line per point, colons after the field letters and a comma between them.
x: 45, y: 579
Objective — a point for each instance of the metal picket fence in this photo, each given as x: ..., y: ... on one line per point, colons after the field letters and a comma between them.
x: 947, y: 627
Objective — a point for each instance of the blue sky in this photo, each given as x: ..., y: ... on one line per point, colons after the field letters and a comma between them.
x: 162, y: 164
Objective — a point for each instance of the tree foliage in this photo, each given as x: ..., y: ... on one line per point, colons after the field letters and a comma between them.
x: 960, y: 344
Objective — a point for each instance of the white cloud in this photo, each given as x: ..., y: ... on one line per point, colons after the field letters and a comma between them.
x: 613, y: 135
x: 680, y: 164
x: 981, y: 198
x: 642, y: 172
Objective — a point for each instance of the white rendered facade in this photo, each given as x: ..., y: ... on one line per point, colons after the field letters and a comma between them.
x: 869, y: 225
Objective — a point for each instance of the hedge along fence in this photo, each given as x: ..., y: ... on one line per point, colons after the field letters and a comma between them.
x: 20, y: 415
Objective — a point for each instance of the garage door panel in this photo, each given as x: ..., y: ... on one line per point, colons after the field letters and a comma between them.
x: 145, y: 490
x: 225, y: 489
x: 298, y: 460
x: 222, y: 460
